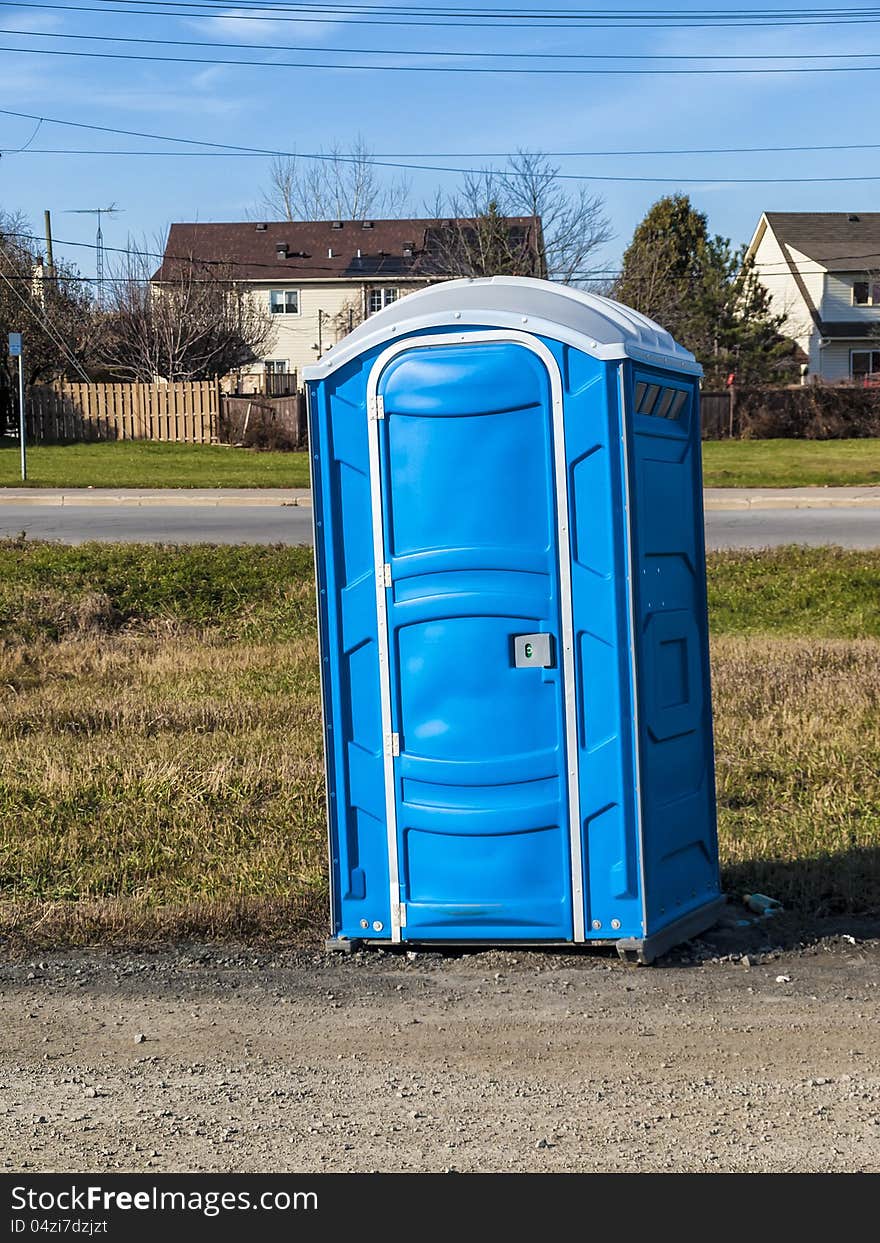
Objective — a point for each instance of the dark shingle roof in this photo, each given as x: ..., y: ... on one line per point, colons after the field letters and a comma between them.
x: 251, y: 248
x: 840, y: 241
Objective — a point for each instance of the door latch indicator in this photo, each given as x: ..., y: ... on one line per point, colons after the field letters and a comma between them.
x: 533, y: 651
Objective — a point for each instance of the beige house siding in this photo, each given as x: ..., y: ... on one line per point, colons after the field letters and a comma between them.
x: 838, y: 300
x: 835, y: 360
x: 327, y: 312
x: 831, y: 293
x: 785, y: 297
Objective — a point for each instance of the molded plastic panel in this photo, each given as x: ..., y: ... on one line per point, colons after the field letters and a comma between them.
x: 677, y: 772
x: 349, y: 657
x: 469, y: 509
x: 598, y: 573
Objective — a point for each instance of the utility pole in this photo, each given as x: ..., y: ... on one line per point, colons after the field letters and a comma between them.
x: 16, y: 351
x: 50, y: 258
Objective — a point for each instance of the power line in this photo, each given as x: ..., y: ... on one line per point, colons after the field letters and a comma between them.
x: 500, y: 172
x: 386, y: 51
x: 441, y: 69
x: 505, y: 11
x: 503, y: 174
x: 595, y: 21
x: 222, y: 148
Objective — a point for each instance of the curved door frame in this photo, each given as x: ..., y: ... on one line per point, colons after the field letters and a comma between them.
x: 375, y: 414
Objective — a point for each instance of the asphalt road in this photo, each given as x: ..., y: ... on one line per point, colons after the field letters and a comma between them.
x: 171, y: 524
x: 241, y: 524
x: 767, y: 528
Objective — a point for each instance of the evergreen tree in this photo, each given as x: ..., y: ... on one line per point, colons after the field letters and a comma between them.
x: 707, y: 294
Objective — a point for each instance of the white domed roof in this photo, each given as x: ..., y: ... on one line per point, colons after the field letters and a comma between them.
x: 598, y: 326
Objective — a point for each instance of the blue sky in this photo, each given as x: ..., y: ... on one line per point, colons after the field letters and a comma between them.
x: 306, y: 109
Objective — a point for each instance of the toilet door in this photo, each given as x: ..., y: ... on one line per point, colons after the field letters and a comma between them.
x: 482, y: 831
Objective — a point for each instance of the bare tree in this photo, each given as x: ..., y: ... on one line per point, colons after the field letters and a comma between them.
x: 343, y: 184
x: 573, y: 221
x: 54, y: 311
x: 195, y: 323
x: 481, y: 239
x: 471, y: 236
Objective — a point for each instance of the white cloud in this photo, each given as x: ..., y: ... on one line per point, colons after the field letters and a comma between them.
x: 246, y: 26
x: 180, y: 103
x: 35, y: 21
x: 23, y: 83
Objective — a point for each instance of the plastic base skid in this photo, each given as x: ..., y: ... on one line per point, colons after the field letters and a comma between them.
x: 645, y: 950
x: 341, y: 945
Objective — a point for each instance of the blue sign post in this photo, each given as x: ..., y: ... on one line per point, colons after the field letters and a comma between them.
x: 16, y: 350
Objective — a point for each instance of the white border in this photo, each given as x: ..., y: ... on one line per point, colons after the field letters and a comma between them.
x: 630, y: 589
x: 382, y: 645
x: 565, y: 603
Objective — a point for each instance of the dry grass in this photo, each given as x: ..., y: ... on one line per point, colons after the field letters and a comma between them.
x: 160, y: 738
x: 164, y: 785
x: 797, y: 736
x: 144, y: 774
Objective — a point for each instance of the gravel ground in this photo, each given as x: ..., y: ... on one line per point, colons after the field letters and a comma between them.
x: 719, y: 1058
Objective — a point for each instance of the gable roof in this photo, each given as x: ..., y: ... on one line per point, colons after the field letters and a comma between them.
x: 388, y: 248
x: 840, y: 241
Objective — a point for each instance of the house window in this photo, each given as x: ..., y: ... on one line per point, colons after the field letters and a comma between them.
x: 380, y: 298
x: 865, y: 365
x: 866, y: 292
x: 276, y: 366
x: 284, y: 301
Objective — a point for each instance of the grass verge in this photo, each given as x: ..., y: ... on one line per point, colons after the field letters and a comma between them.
x: 152, y: 464
x: 790, y: 463
x: 160, y: 771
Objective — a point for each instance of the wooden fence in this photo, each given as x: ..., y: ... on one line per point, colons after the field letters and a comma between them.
x: 718, y: 415
x: 187, y: 412
x: 264, y: 422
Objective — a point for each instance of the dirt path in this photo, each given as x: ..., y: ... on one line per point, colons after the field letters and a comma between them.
x: 232, y: 1060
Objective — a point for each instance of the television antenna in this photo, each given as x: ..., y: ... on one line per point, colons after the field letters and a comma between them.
x: 98, y: 212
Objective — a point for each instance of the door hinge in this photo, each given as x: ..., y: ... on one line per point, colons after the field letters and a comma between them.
x: 400, y: 913
x: 385, y: 575
x: 380, y: 407
x: 392, y: 743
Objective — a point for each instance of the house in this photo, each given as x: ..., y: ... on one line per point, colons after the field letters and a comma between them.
x: 317, y: 280
x: 822, y: 270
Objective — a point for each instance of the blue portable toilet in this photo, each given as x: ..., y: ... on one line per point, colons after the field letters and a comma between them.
x: 512, y: 621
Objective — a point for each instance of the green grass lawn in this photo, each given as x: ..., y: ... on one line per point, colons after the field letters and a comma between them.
x: 790, y: 463
x: 152, y: 464
x: 160, y: 738
x: 48, y: 590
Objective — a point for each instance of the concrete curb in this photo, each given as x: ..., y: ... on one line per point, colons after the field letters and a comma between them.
x: 738, y: 499
x: 212, y: 498
x: 731, y: 500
